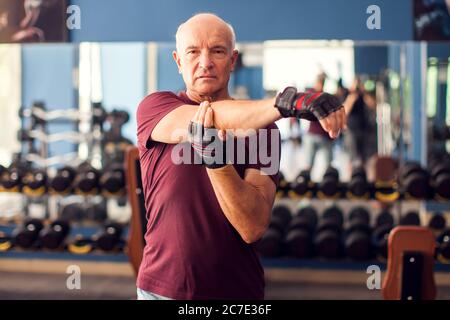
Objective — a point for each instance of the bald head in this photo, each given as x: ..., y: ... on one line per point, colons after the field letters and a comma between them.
x: 205, y: 56
x: 199, y: 22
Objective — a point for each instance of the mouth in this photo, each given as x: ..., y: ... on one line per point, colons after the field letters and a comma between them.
x: 206, y: 77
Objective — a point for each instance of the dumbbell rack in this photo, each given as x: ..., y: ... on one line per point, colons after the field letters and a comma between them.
x: 342, y: 271
x: 90, y: 142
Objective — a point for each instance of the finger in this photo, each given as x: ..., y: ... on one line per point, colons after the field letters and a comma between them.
x: 329, y: 120
x: 196, y: 115
x: 222, y: 135
x: 336, y: 122
x: 339, y: 120
x: 337, y: 114
x: 208, y: 123
x: 344, y: 118
x: 203, y: 107
x: 331, y: 126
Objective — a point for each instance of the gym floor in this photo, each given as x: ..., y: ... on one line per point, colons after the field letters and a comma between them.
x: 19, y: 285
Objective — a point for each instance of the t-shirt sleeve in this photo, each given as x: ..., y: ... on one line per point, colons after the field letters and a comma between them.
x: 268, y: 153
x: 151, y: 110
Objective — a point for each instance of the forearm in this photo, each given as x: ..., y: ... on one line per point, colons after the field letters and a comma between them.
x: 243, y: 205
x: 244, y: 114
x: 228, y: 114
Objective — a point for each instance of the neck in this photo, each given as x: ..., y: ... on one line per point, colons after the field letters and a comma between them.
x: 216, y: 96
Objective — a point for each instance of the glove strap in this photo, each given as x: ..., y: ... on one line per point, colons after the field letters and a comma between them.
x: 201, y: 139
x: 285, y: 102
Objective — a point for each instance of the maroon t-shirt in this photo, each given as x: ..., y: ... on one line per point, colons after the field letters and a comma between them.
x: 192, y: 251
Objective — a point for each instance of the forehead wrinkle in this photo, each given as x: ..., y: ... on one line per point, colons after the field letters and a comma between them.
x: 204, y: 41
x: 218, y: 28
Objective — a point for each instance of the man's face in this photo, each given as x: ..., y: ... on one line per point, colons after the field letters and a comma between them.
x: 205, y: 58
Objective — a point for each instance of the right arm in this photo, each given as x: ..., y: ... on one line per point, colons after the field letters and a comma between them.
x: 228, y: 114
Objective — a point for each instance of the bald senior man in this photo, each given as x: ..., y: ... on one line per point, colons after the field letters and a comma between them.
x: 206, y: 205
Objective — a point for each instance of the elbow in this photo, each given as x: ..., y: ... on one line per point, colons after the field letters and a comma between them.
x: 256, y: 232
x: 252, y: 237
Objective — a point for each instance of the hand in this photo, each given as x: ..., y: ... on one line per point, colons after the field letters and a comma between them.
x: 319, y: 106
x: 334, y: 123
x: 207, y: 142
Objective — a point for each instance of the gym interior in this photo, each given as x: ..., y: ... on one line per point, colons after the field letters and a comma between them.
x: 352, y: 216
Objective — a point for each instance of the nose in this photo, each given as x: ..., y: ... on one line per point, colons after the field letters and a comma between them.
x: 205, y: 62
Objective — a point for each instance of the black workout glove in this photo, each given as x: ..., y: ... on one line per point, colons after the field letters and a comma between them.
x: 312, y: 106
x: 207, y: 144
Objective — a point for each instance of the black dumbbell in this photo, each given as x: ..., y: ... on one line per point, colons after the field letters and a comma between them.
x: 443, y: 247
x: 440, y: 179
x: 384, y: 218
x: 359, y: 214
x: 358, y: 187
x: 53, y: 236
x: 61, y: 183
x: 329, y: 186
x: 6, y: 241
x: 81, y: 244
x: 119, y: 117
x: 302, y: 186
x: 270, y: 244
x: 283, y: 186
x: 357, y: 241
x: 334, y: 213
x: 327, y: 241
x: 415, y: 181
x: 437, y: 222
x: 114, y: 137
x: 440, y: 132
x: 11, y: 179
x: 108, y: 239
x: 283, y: 213
x: 96, y: 212
x: 23, y: 135
x: 300, y: 233
x: 99, y: 114
x: 115, y: 147
x: 3, y: 170
x: 26, y: 235
x: 411, y: 218
x: 72, y: 212
x: 112, y: 180
x: 87, y: 180
x: 380, y: 238
x: 34, y: 183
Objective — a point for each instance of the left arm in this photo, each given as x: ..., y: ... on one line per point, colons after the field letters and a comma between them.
x: 247, y: 203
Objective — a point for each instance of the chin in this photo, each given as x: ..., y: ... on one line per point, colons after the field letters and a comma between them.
x: 206, y: 90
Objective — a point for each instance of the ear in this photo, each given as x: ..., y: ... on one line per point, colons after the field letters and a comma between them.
x: 176, y: 57
x: 234, y: 58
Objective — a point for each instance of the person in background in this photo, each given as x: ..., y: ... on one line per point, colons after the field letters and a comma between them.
x: 316, y: 138
x: 360, y: 138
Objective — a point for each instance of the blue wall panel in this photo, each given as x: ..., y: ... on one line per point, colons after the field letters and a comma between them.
x: 252, y: 78
x: 168, y: 77
x: 370, y: 59
x: 439, y: 50
x: 254, y: 20
x: 124, y: 79
x: 47, y: 75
